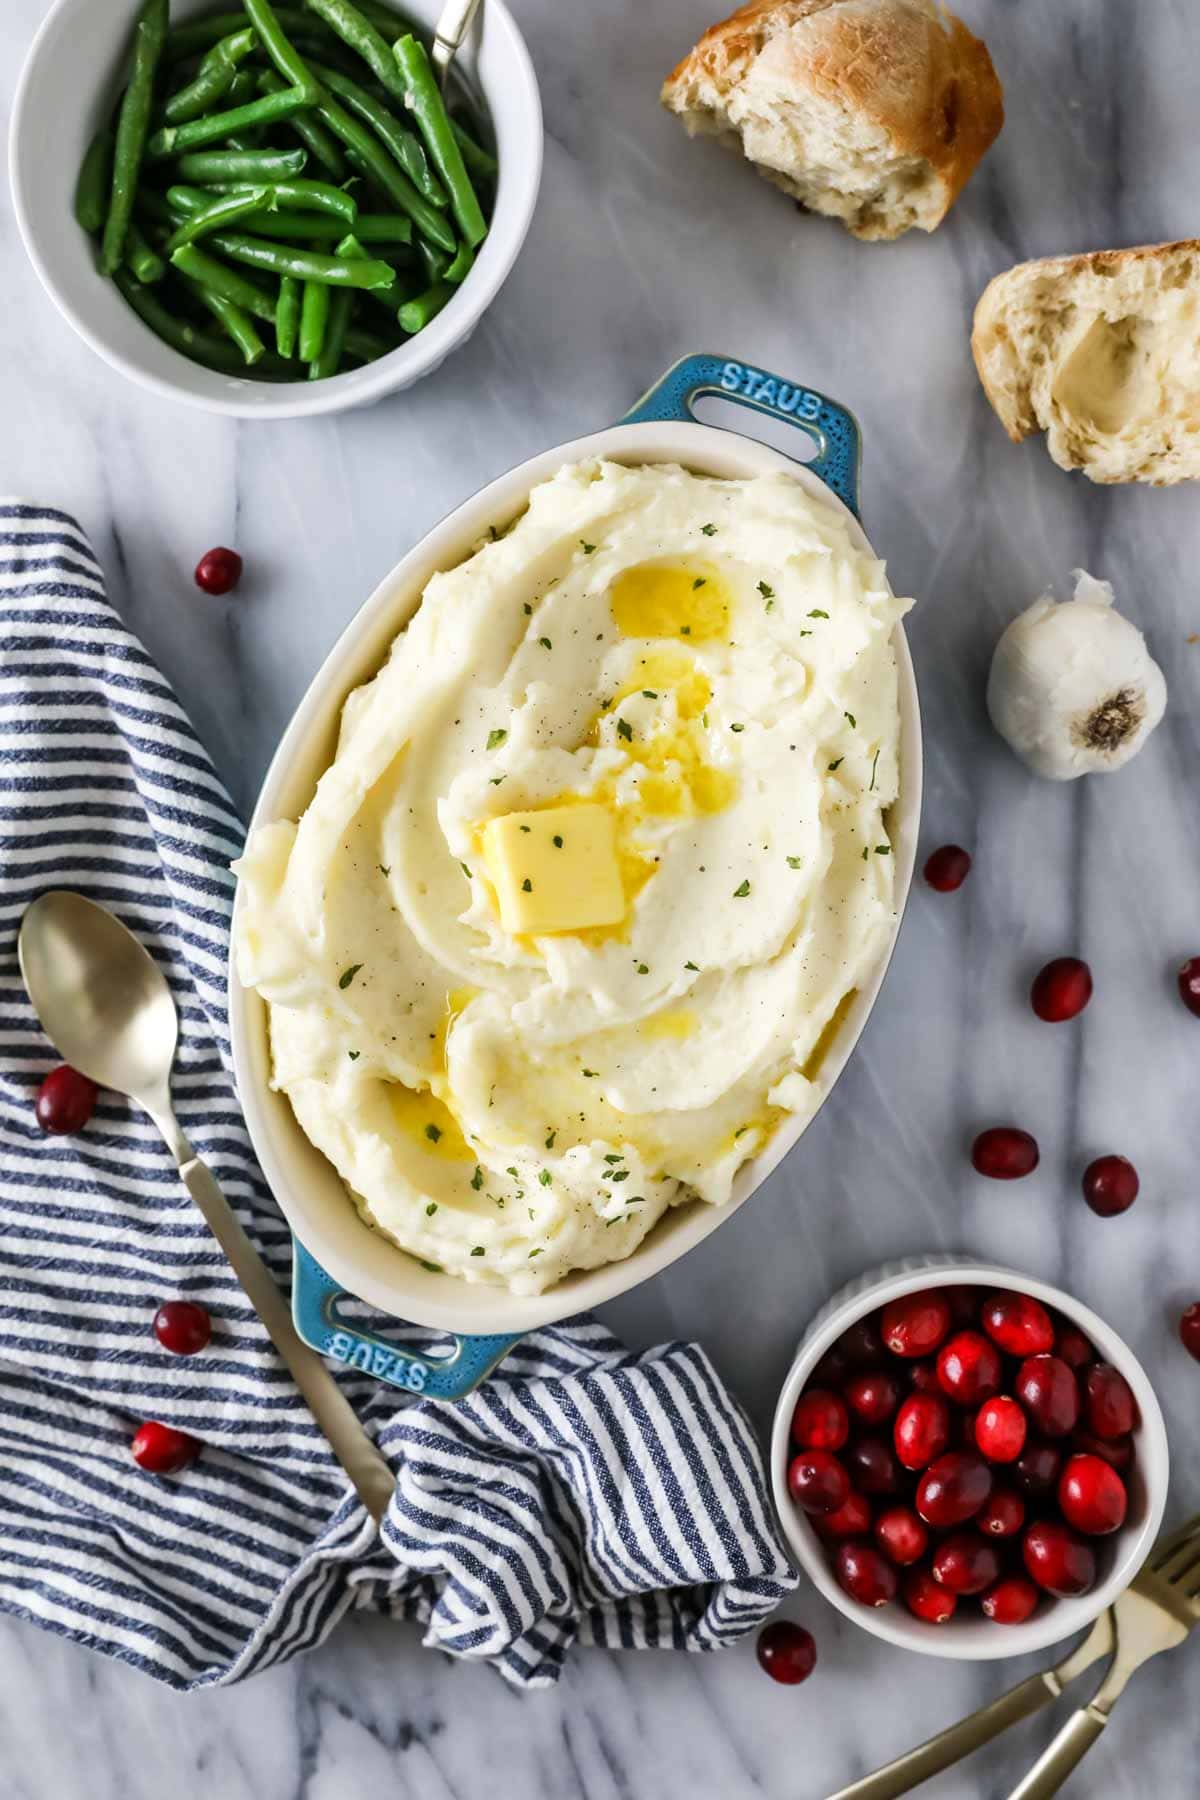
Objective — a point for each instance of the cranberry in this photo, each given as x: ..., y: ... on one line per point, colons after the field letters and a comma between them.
x: 965, y: 1564
x: 901, y: 1535
x: 1189, y: 984
x: 927, y: 1599
x: 1049, y: 1392
x: 953, y: 1489
x: 65, y: 1101
x: 1110, y: 1185
x: 1109, y: 1408
x: 922, y: 1430
x: 786, y: 1651
x: 873, y: 1397
x: 968, y: 1367
x: 1117, y: 1452
x: 865, y: 1573
x: 1002, y: 1513
x: 182, y: 1327
x: 1010, y: 1601
x: 1018, y: 1323
x: 1074, y: 1348
x: 915, y: 1324
x: 219, y: 570
x: 820, y: 1421
x: 817, y: 1481
x: 963, y: 1302
x: 831, y: 1371
x: 873, y: 1466
x: 1061, y: 990
x: 162, y: 1449
x: 923, y: 1376
x: 1004, y: 1153
x: 861, y: 1344
x: 1189, y: 1329
x: 1091, y: 1496
x: 852, y: 1519
x: 948, y: 868
x: 1058, y: 1561
x: 1000, y: 1429
x: 1036, y: 1469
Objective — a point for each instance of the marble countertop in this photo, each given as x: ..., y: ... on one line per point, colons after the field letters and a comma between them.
x: 644, y: 247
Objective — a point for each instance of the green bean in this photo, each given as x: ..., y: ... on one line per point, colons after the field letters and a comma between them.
x: 479, y: 161
x: 321, y: 145
x: 356, y: 30
x: 425, y: 104
x: 95, y: 180
x: 415, y: 314
x: 238, y: 324
x: 366, y: 345
x: 461, y: 267
x: 241, y: 89
x: 218, y: 214
x: 212, y: 167
x: 132, y: 125
x: 282, y: 52
x: 328, y: 361
x: 173, y: 140
x: 314, y: 317
x: 199, y: 266
x: 200, y: 346
x: 214, y: 78
x: 287, y: 316
x: 199, y: 34
x: 400, y: 141
x: 372, y: 228
x: 306, y: 265
x: 318, y: 195
x: 141, y: 259
x: 435, y: 262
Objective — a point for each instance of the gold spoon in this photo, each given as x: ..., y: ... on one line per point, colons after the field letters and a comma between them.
x: 105, y: 1005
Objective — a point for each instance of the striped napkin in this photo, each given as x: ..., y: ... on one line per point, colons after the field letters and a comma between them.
x: 585, y: 1494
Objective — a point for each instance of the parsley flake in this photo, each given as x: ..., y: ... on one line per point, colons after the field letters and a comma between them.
x: 700, y: 581
x: 709, y: 530
x: 837, y: 764
x: 883, y: 849
x: 874, y: 766
x: 496, y: 738
x: 433, y: 1133
x: 477, y: 1178
x: 533, y: 1253
x: 465, y: 870
x: 527, y: 886
x: 347, y: 975
x: 739, y: 893
x: 625, y: 730
x: 853, y: 722
x: 590, y: 1074
x: 643, y: 968
x: 384, y: 870
x: 557, y: 841
x: 495, y: 780
x: 527, y: 828
x: 694, y: 967
x: 737, y: 728
x: 354, y: 1055
x: 768, y: 593
x: 817, y: 613
x: 545, y: 1177
x: 649, y: 694
x: 528, y: 610
x: 478, y: 1250
x: 794, y: 862
x: 550, y: 1139
x: 586, y: 548
x: 545, y: 643
x: 610, y: 1158
x: 431, y: 1209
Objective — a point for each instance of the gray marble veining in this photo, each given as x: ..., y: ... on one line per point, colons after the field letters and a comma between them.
x: 645, y: 246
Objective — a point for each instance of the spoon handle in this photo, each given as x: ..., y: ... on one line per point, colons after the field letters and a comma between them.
x: 329, y: 1406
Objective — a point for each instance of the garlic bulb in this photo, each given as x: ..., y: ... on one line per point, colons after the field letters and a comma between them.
x: 1073, y: 688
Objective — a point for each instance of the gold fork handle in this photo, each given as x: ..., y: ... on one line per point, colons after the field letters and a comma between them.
x: 957, y: 1741
x: 1062, y: 1755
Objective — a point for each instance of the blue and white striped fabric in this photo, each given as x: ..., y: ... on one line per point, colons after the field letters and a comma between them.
x: 585, y: 1494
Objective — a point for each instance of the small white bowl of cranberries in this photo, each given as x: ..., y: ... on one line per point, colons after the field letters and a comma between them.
x: 967, y: 1461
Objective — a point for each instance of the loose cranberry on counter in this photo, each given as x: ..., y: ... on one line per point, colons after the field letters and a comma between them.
x: 861, y: 1344
x: 820, y: 1421
x: 874, y: 1396
x: 1010, y: 1601
x: 1000, y: 1429
x: 915, y: 1324
x: 873, y: 1466
x: 968, y: 1368
x: 1189, y: 1329
x: 1109, y: 1408
x: 922, y: 1430
x: 1002, y: 1514
x: 162, y: 1449
x: 817, y: 1481
x: 1092, y: 1496
x: 927, y: 1599
x: 1004, y: 1153
x: 1036, y: 1469
x: 219, y: 570
x: 965, y: 1563
x: 1018, y: 1323
x: 901, y: 1535
x: 65, y: 1101
x: 1074, y: 1348
x: 1057, y: 1560
x: 953, y: 1489
x: 1110, y: 1185
x: 865, y: 1573
x: 1117, y: 1452
x: 947, y: 868
x: 786, y: 1651
x: 1049, y: 1392
x: 182, y: 1327
x: 853, y: 1519
x: 1061, y: 990
x: 1189, y: 984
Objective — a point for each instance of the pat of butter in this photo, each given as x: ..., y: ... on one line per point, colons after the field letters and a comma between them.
x: 555, y: 870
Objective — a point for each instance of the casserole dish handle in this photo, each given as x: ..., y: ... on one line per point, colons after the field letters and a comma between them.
x: 315, y: 1295
x: 831, y: 427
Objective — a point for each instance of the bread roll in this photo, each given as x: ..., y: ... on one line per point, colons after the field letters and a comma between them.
x: 1102, y: 353
x: 872, y: 111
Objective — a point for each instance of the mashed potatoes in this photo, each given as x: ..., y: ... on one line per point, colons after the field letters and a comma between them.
x: 561, y: 938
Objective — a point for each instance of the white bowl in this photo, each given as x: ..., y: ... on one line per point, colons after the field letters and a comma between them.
x: 305, y: 1184
x: 67, y: 87
x: 969, y: 1635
